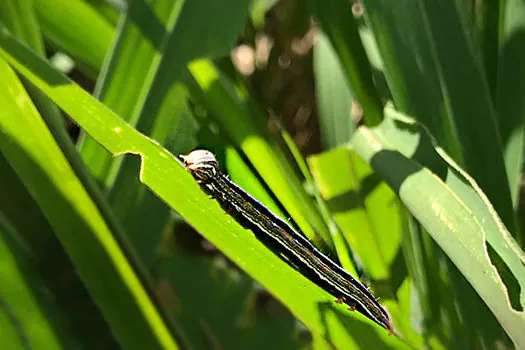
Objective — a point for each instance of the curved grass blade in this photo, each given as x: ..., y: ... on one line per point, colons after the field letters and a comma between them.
x: 34, y: 154
x: 454, y: 210
x: 428, y: 77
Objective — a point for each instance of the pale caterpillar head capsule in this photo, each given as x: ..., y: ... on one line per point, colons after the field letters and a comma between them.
x: 201, y: 164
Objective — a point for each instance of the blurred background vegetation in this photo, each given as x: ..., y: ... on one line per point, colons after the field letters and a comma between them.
x: 390, y: 132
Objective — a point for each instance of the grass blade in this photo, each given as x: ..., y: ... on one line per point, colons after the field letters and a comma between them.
x: 32, y: 316
x: 510, y: 103
x: 60, y: 194
x: 64, y: 21
x: 451, y: 207
x: 334, y: 97
x: 339, y: 25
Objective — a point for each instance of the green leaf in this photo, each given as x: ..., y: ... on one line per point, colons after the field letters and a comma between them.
x: 364, y: 208
x: 109, y: 9
x: 334, y: 97
x: 412, y: 76
x: 339, y: 25
x: 231, y: 316
x: 124, y: 85
x: 409, y: 68
x: 470, y: 107
x: 453, y: 209
x: 33, y: 153
x: 63, y: 22
x: 126, y: 79
x: 510, y: 101
x: 51, y: 263
x: 369, y: 216
x: 431, y: 48
x: 426, y: 265
x: 31, y: 316
x: 402, y: 310
x: 20, y: 18
x: 488, y: 23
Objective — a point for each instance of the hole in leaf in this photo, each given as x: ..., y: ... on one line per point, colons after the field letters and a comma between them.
x: 511, y: 282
